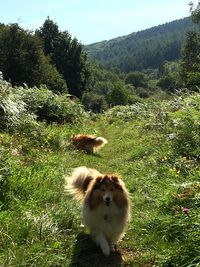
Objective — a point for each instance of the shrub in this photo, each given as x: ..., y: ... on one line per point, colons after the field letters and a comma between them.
x: 136, y: 78
x: 13, y: 112
x: 185, y: 125
x: 60, y: 109
x: 21, y: 106
x: 118, y: 95
x: 128, y: 113
x: 94, y: 102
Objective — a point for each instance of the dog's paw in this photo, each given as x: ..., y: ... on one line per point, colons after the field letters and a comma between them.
x: 112, y: 248
x: 102, y: 242
x: 105, y: 250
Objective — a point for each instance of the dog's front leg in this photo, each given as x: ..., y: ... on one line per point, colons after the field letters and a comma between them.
x: 112, y: 248
x: 103, y: 243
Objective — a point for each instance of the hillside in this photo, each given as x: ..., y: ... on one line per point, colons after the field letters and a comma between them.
x: 143, y: 49
x: 153, y: 146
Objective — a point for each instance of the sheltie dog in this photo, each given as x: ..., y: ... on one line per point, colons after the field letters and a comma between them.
x: 105, y: 205
x: 88, y: 143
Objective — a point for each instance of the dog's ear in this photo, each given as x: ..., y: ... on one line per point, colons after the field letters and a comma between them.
x: 115, y: 178
x: 87, y: 182
x: 99, y: 180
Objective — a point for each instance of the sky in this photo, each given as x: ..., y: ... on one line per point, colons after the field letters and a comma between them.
x: 93, y: 20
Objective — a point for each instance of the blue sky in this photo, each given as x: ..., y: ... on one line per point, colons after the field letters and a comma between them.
x: 93, y: 20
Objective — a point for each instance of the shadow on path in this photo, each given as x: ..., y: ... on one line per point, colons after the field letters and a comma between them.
x: 87, y: 254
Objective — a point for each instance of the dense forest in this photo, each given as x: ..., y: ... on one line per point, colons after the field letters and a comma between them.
x: 144, y: 49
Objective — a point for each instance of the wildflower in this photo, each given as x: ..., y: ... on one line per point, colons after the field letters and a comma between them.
x: 185, y: 210
x: 15, y: 152
x: 171, y: 136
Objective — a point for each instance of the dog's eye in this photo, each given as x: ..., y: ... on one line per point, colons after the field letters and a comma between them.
x: 111, y: 189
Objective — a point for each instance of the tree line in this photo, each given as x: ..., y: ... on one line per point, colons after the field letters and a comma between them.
x: 46, y: 56
x: 144, y: 49
x: 52, y: 57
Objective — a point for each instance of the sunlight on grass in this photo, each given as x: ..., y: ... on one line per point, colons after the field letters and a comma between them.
x: 40, y: 224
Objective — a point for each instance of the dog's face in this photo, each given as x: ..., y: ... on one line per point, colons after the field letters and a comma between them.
x: 106, y: 189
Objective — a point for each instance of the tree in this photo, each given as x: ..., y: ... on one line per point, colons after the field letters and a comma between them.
x: 143, y: 49
x: 137, y: 79
x: 190, y: 60
x: 22, y: 60
x: 169, y: 73
x: 195, y: 12
x: 118, y: 95
x: 95, y: 102
x: 67, y: 55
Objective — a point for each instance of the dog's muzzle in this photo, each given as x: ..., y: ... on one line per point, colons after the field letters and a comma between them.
x: 107, y: 200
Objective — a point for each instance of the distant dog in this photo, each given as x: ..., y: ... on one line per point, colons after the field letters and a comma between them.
x: 88, y: 143
x: 106, y: 205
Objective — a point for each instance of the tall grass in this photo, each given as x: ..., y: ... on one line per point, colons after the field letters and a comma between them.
x: 153, y: 146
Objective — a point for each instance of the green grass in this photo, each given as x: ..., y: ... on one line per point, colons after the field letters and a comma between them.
x: 40, y: 224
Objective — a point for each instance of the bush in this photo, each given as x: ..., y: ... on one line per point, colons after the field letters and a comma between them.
x: 13, y: 112
x: 137, y: 79
x: 94, y: 102
x: 129, y: 112
x: 185, y: 124
x: 60, y: 109
x: 193, y: 80
x: 21, y: 106
x: 118, y: 95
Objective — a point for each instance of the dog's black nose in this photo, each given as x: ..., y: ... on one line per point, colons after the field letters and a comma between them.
x: 107, y: 199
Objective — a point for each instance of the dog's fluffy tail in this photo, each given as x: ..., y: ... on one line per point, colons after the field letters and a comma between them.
x: 78, y: 183
x: 100, y: 142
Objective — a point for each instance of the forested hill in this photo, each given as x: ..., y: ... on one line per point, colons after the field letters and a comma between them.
x: 143, y: 49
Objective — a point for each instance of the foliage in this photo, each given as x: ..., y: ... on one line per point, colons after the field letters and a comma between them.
x: 195, y: 12
x: 105, y: 88
x: 186, y: 121
x: 169, y: 77
x: 190, y: 60
x: 127, y: 113
x: 5, y: 170
x: 21, y: 106
x: 13, y: 110
x: 94, y: 102
x: 118, y: 95
x: 153, y: 144
x: 137, y: 79
x: 22, y: 60
x: 66, y: 54
x: 144, y: 49
x: 144, y: 148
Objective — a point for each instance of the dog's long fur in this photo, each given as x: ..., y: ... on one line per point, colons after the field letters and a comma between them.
x: 106, y: 205
x: 88, y: 143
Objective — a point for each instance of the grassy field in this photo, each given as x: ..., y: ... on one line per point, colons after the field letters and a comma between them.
x: 40, y: 225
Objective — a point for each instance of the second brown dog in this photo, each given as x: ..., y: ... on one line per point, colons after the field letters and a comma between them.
x: 88, y: 143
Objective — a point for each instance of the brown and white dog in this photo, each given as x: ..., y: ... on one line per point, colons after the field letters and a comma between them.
x: 105, y: 205
x: 88, y: 143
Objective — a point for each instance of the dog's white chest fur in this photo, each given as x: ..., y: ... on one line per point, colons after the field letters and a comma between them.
x: 108, y: 220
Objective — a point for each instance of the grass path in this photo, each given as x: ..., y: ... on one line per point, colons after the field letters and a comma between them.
x: 122, y: 154
x: 41, y: 225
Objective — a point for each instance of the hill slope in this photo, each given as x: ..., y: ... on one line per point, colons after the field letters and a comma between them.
x: 153, y: 146
x: 143, y: 49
